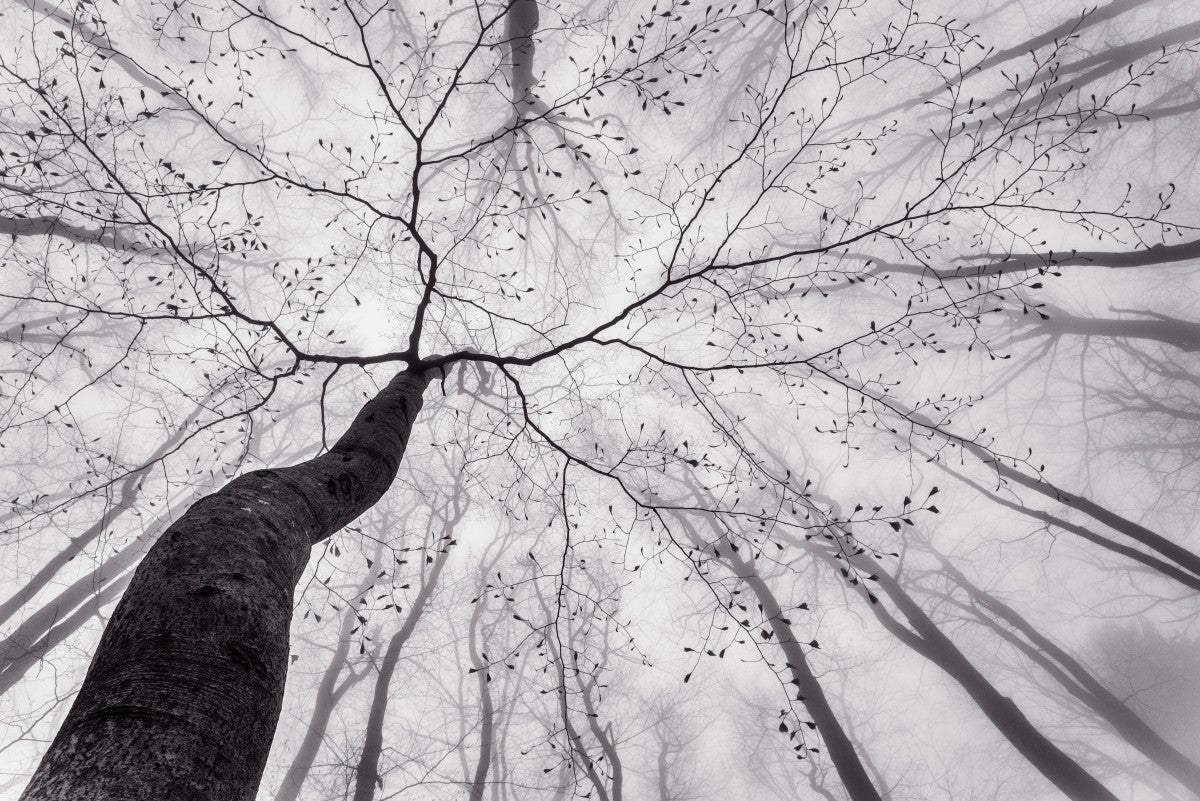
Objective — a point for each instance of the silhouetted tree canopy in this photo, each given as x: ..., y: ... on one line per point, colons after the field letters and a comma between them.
x: 780, y: 399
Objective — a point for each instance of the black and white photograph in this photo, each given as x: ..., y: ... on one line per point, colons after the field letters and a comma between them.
x: 632, y: 400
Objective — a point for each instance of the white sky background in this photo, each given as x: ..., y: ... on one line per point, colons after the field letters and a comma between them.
x: 566, y: 273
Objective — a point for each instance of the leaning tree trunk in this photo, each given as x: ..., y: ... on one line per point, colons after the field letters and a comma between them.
x: 126, y: 499
x: 1079, y: 681
x: 858, y: 783
x: 1170, y: 551
x: 185, y: 689
x: 30, y: 642
x: 487, y: 722
x: 329, y: 693
x: 1161, y: 566
x: 576, y: 749
x: 1058, y: 767
x: 604, y: 736
x: 367, y: 776
x: 18, y: 661
x: 841, y: 750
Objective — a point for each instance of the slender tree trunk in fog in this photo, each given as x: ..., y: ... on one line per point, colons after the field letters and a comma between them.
x: 663, y: 771
x: 185, y: 689
x: 1135, y: 531
x: 487, y: 709
x: 329, y: 692
x: 1071, y: 27
x: 22, y: 657
x: 1083, y: 685
x: 1151, y: 561
x: 62, y: 615
x: 564, y: 783
x: 578, y: 750
x: 841, y: 750
x: 1174, y: 552
x: 1169, y: 550
x: 842, y: 753
x: 604, y: 736
x: 367, y: 776
x: 928, y: 640
x: 40, y: 621
x: 127, y: 497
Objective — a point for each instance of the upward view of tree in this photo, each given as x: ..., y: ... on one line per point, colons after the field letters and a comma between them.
x: 516, y: 399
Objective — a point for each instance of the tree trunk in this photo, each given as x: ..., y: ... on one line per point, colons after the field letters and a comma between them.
x: 1087, y: 688
x: 842, y: 753
x: 1171, y: 551
x: 19, y: 662
x: 663, y: 771
x: 841, y: 750
x: 1150, y: 561
x: 576, y: 748
x: 185, y: 689
x: 329, y: 693
x: 367, y: 776
x: 487, y: 722
x: 127, y: 497
x: 604, y: 736
x: 928, y: 640
x: 30, y: 638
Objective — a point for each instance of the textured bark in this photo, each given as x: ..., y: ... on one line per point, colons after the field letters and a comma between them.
x: 367, y: 776
x: 185, y: 689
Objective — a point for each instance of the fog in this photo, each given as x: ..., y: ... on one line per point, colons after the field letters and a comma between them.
x: 527, y: 400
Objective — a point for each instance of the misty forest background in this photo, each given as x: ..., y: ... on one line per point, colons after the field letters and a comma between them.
x: 811, y: 399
